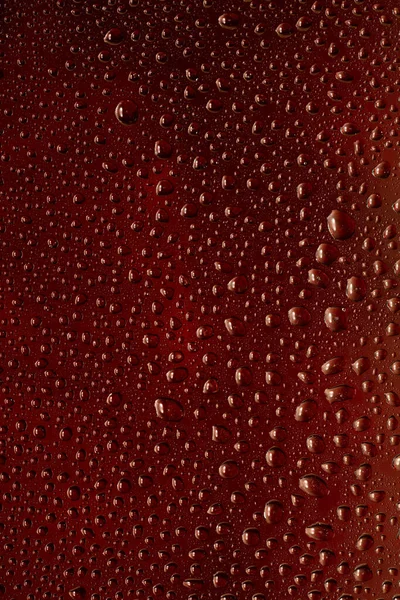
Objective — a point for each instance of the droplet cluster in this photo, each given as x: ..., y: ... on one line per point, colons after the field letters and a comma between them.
x: 199, y: 299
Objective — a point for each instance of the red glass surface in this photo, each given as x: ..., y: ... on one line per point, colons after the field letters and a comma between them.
x: 199, y: 291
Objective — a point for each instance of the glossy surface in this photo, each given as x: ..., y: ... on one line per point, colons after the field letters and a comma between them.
x: 199, y: 294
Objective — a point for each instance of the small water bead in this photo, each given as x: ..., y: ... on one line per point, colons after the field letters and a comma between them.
x: 344, y: 76
x: 344, y: 513
x: 275, y: 457
x: 126, y: 112
x: 341, y: 225
x: 65, y: 434
x: 333, y: 365
x: 382, y: 171
x: 243, y: 377
x: 349, y: 129
x: 299, y: 316
x: 220, y: 580
x: 356, y: 289
x: 304, y: 23
x: 326, y: 254
x: 361, y: 365
x: 306, y: 411
x: 164, y: 187
x: 238, y: 284
x: 340, y: 393
x: 336, y: 318
x: 114, y: 36
x: 235, y: 327
x: 78, y: 593
x: 313, y: 485
x: 114, y: 399
x: 320, y: 532
x: 284, y: 30
x: 229, y: 20
x: 162, y: 149
x: 273, y: 512
x: 221, y: 434
x: 318, y: 278
x: 169, y: 409
x: 74, y: 493
x: 315, y: 444
x: 229, y: 469
x: 377, y: 496
x: 364, y: 542
x: 251, y: 537
x: 363, y: 573
x: 374, y: 201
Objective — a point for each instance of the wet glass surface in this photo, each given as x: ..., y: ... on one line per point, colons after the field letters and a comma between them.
x: 199, y: 292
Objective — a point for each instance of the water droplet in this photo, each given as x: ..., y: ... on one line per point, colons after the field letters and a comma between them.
x: 126, y: 112
x: 341, y: 225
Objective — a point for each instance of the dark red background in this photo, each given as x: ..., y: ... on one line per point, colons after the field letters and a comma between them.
x: 140, y: 439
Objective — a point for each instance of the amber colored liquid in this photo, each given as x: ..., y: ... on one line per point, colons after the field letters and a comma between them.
x: 199, y: 292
